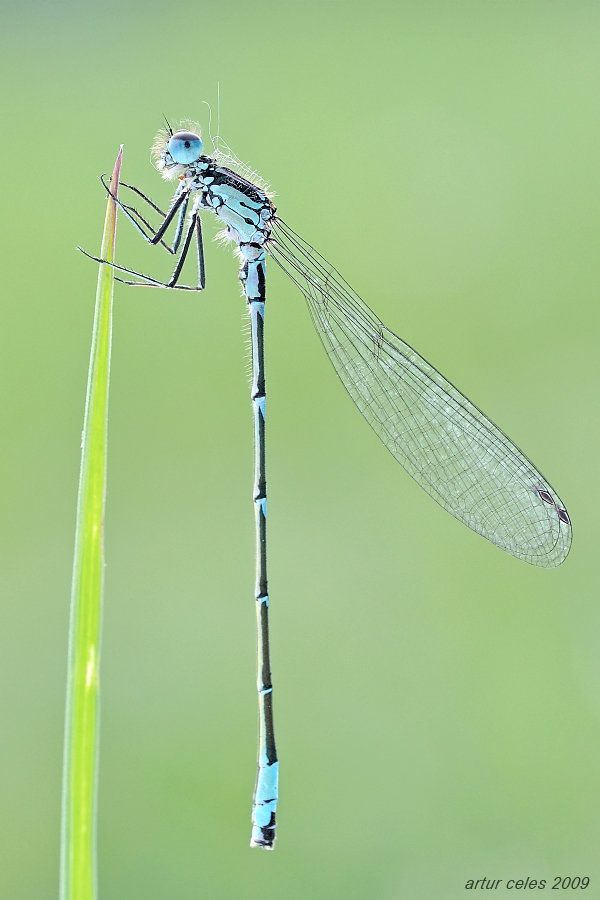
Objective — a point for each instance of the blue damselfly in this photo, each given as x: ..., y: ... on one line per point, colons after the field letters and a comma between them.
x: 444, y: 441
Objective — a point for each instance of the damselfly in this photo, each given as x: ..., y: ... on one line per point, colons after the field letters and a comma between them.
x: 444, y: 441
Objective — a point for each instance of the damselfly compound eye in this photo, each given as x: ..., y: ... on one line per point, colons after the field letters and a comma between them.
x: 185, y: 147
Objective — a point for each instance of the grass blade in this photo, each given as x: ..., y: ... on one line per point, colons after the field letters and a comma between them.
x: 79, y: 800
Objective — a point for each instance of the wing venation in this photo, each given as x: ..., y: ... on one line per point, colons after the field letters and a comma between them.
x: 445, y: 442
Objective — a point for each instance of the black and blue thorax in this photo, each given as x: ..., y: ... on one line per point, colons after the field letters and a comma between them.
x: 245, y: 209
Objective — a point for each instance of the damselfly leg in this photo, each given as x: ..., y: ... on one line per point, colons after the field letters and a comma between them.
x: 178, y: 206
x: 194, y: 230
x: 135, y: 217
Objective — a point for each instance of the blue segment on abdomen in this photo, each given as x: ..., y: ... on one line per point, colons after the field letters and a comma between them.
x: 266, y: 794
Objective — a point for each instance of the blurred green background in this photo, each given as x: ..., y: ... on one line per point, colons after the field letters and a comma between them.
x: 437, y: 701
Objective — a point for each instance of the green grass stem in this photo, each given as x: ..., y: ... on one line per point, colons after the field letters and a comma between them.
x: 78, y: 876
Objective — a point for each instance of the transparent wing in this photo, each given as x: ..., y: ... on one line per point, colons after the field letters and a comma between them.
x: 442, y: 439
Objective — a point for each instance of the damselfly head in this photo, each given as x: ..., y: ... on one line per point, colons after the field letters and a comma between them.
x: 173, y: 150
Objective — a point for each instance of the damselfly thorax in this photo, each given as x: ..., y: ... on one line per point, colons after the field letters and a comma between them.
x: 243, y: 207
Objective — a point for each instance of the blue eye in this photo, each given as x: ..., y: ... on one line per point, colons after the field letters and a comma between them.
x: 185, y: 147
